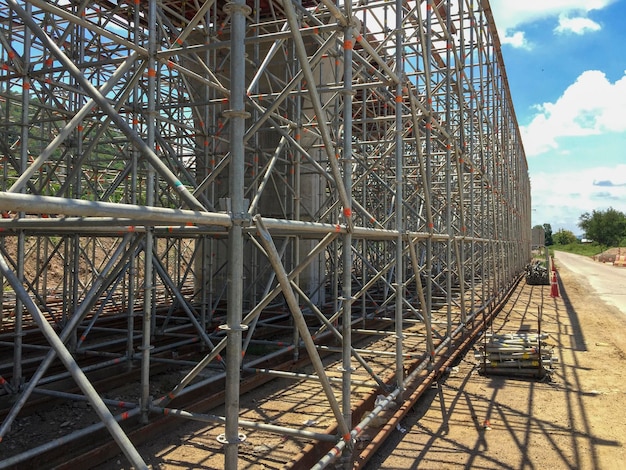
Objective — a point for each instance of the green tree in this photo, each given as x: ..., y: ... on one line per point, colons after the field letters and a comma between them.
x: 564, y: 237
x: 547, y: 228
x: 605, y: 227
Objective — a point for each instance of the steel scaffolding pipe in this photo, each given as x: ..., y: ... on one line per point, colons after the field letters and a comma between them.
x: 188, y: 169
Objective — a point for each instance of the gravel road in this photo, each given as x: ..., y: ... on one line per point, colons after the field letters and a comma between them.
x: 606, y: 280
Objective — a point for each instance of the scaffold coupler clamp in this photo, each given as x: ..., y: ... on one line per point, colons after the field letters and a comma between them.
x: 241, y: 437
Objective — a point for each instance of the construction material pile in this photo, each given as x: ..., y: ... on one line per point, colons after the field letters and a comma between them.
x: 537, y: 274
x: 516, y: 354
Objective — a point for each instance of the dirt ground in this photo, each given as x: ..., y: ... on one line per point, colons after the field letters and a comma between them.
x: 572, y: 419
x: 575, y: 419
x: 609, y: 255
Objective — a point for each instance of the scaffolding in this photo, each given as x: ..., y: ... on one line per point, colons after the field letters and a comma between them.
x: 232, y: 167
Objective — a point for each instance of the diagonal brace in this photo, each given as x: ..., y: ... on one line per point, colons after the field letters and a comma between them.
x: 300, y: 322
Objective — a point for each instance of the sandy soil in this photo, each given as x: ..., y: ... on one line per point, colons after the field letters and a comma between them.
x: 609, y: 255
x: 573, y: 420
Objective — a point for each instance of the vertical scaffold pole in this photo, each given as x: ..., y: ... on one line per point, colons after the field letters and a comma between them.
x: 237, y: 116
x: 448, y: 173
x: 21, y: 238
x: 346, y: 331
x: 428, y: 146
x: 399, y: 199
x: 150, y: 200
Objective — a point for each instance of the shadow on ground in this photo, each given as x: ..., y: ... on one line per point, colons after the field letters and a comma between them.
x: 507, y: 422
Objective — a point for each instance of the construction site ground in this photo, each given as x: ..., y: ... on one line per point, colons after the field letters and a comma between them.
x: 575, y: 418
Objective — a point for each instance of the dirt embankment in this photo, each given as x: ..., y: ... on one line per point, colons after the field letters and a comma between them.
x: 609, y: 255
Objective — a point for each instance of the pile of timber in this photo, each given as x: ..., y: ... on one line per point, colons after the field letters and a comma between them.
x: 516, y: 354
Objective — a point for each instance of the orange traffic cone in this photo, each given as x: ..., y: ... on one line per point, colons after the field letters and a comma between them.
x: 554, y: 286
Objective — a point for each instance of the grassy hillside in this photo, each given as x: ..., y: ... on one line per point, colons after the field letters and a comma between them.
x: 585, y: 249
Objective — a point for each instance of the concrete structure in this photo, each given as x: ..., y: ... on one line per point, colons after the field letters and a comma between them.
x: 362, y: 160
x: 538, y: 237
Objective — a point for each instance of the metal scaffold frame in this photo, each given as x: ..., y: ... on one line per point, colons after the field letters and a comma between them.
x: 311, y: 168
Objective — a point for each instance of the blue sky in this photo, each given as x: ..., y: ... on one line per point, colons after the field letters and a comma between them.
x: 566, y: 65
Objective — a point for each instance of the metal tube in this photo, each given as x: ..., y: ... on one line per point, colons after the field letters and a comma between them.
x: 64, y: 440
x: 205, y: 418
x: 81, y: 380
x: 382, y: 405
x: 448, y: 176
x: 138, y: 214
x: 399, y: 196
x: 297, y: 376
x: 427, y: 152
x: 237, y: 115
x: 346, y: 282
x: 317, y: 104
x: 69, y: 328
x: 420, y: 293
x: 103, y: 103
x: 181, y: 300
x: 300, y: 323
x: 64, y: 375
x: 64, y: 133
x: 77, y: 397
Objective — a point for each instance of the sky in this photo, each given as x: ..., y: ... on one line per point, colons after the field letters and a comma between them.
x: 566, y: 66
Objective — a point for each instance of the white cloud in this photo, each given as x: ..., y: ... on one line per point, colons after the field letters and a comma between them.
x: 576, y: 25
x: 517, y: 40
x: 590, y: 106
x: 509, y: 15
x: 560, y: 198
